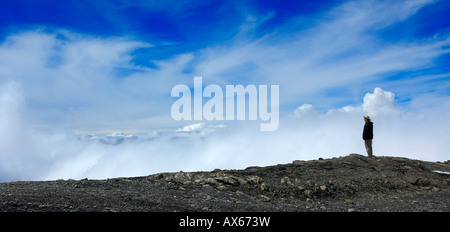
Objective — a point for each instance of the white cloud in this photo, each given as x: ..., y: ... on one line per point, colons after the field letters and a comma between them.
x: 305, y: 110
x: 11, y: 128
x: 75, y: 81
x: 380, y: 102
x: 192, y: 127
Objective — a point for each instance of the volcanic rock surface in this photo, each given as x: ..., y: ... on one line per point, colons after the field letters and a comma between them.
x: 352, y: 183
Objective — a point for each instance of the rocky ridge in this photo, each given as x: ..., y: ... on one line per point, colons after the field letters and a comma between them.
x: 350, y: 183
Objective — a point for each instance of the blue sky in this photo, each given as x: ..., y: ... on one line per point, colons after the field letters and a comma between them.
x: 80, y: 67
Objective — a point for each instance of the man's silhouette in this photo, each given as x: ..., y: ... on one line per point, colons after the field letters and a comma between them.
x: 368, y: 135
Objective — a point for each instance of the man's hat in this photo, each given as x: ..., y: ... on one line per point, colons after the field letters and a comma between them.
x: 367, y: 117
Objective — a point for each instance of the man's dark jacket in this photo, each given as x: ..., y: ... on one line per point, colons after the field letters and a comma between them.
x: 368, y: 131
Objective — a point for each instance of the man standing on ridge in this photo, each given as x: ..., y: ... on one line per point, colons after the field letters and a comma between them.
x: 368, y: 135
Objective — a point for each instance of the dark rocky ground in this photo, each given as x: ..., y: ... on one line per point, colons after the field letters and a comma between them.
x: 352, y: 183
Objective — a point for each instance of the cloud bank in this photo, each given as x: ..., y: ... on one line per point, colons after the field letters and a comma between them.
x: 30, y: 154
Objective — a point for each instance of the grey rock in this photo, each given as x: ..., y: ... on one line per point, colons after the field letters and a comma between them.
x: 349, y: 183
